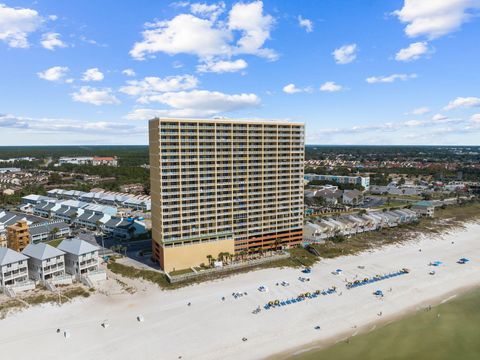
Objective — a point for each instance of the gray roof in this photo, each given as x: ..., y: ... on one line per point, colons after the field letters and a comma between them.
x: 9, y: 256
x: 118, y: 222
x: 77, y: 246
x: 41, y: 251
x: 46, y: 228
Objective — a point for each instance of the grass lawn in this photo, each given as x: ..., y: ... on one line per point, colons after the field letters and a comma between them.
x: 135, y: 273
x: 55, y: 242
x: 8, y: 305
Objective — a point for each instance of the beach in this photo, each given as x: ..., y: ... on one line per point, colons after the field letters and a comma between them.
x: 212, y: 328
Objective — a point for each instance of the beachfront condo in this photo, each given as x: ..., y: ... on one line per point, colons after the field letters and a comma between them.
x: 224, y: 186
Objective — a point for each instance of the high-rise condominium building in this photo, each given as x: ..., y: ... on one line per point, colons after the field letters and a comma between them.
x: 224, y: 186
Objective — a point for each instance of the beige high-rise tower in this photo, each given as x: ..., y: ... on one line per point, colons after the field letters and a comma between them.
x: 224, y: 186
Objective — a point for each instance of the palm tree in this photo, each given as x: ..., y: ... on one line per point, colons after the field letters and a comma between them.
x: 131, y: 232
x: 54, y: 232
x: 209, y: 258
x: 226, y: 256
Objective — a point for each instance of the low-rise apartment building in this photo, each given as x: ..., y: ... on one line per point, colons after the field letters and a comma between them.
x: 364, y: 181
x: 49, y: 231
x: 424, y: 208
x: 18, y: 235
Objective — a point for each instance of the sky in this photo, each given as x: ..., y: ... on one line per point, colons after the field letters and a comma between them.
x: 356, y: 72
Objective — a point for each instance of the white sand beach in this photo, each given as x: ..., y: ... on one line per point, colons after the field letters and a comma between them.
x: 213, y: 329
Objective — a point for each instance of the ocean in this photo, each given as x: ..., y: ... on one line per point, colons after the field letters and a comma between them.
x: 447, y: 331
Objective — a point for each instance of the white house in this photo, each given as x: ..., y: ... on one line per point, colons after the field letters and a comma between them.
x: 81, y: 259
x: 13, y: 267
x: 45, y: 262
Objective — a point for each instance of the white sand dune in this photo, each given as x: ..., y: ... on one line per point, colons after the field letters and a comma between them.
x: 213, y: 329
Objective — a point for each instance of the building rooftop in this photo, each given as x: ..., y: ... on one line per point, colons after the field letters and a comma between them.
x: 9, y: 256
x: 228, y: 120
x: 77, y: 246
x: 42, y: 251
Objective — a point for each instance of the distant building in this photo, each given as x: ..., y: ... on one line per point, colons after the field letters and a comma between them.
x: 77, y: 160
x: 8, y: 192
x: 352, y: 197
x: 104, y: 160
x: 338, y: 179
x: 9, y: 170
x: 18, y: 236
x: 45, y: 262
x: 424, y: 208
x: 132, y: 188
x: 88, y: 160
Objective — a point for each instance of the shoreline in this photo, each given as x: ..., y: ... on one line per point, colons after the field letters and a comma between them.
x: 375, y: 325
x: 213, y: 329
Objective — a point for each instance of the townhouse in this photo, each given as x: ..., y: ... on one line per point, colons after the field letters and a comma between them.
x: 320, y: 229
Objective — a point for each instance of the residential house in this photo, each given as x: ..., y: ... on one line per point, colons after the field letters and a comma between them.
x: 13, y: 267
x: 44, y: 262
x: 81, y: 258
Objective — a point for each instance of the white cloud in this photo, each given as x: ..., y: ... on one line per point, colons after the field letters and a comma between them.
x: 95, y: 96
x: 52, y: 40
x: 197, y: 103
x: 414, y: 123
x: 439, y: 117
x: 345, y: 54
x: 463, y: 102
x: 55, y: 73
x: 185, y: 33
x: 413, y: 52
x: 255, y: 28
x: 435, y: 18
x: 421, y: 111
x: 390, y: 78
x: 58, y: 125
x: 128, y: 72
x: 152, y: 86
x: 291, y: 89
x: 93, y: 74
x: 209, y: 38
x: 475, y: 118
x: 330, y: 86
x: 16, y: 24
x: 211, y: 11
x: 222, y: 66
x: 306, y: 24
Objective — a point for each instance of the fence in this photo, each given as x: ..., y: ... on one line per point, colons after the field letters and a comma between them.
x: 226, y: 268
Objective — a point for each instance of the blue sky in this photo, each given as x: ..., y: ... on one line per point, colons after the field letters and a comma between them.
x: 355, y: 71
